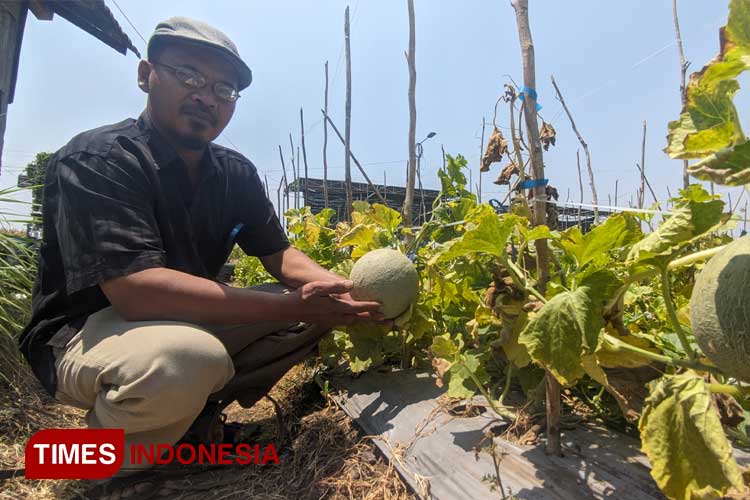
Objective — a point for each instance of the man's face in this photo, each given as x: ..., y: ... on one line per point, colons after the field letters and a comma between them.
x: 190, y: 117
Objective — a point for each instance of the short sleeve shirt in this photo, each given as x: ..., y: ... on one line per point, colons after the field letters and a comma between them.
x: 118, y: 200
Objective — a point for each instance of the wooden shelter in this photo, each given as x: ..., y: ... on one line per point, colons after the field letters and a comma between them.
x: 312, y: 191
x: 92, y: 16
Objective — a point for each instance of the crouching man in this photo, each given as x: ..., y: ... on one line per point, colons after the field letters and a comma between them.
x: 128, y: 320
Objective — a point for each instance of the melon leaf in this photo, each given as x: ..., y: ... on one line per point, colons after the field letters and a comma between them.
x: 689, y: 220
x: 487, y: 233
x: 618, y: 230
x: 568, y: 327
x: 682, y: 436
x: 709, y: 126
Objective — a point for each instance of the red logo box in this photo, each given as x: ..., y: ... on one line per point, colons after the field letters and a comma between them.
x: 75, y: 453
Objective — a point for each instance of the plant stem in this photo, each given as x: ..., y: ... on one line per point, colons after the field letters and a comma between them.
x: 620, y: 346
x: 643, y: 275
x: 666, y: 290
x: 520, y: 280
x: 732, y: 390
x: 506, y: 389
x: 503, y: 412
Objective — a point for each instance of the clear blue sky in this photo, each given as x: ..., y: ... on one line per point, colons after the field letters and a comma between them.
x: 616, y: 63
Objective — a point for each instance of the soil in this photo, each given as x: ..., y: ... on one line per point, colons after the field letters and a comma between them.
x: 322, y: 454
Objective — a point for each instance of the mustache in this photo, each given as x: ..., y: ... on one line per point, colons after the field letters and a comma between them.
x: 200, y: 111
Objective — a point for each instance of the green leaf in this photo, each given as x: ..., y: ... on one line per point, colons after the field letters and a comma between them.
x: 537, y: 233
x: 385, y: 217
x: 364, y: 346
x: 709, y: 126
x: 682, y: 436
x: 568, y: 326
x: 689, y: 220
x: 461, y: 384
x: 486, y: 233
x: 730, y: 166
x: 617, y: 231
x: 444, y: 347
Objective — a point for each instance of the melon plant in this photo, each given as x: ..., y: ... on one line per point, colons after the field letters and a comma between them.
x: 386, y: 276
x: 720, y: 309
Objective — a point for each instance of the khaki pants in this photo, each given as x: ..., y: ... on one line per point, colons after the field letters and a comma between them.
x: 152, y: 378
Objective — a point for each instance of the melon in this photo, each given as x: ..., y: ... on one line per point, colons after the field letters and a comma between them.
x: 386, y: 276
x: 720, y: 309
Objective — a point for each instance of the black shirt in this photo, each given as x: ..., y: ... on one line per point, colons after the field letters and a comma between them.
x: 118, y: 200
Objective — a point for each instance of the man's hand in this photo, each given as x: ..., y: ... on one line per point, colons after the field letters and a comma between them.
x: 329, y: 303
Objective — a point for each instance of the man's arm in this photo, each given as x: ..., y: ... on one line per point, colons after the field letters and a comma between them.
x: 161, y: 293
x: 293, y: 268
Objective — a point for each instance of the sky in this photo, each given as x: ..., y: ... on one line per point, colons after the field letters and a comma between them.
x: 616, y: 64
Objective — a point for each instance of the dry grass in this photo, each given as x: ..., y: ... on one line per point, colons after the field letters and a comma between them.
x: 322, y: 454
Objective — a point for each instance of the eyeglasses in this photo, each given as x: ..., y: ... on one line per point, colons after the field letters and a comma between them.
x: 195, y: 80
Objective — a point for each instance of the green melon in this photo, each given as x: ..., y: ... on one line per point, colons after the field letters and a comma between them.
x: 386, y: 276
x: 720, y: 309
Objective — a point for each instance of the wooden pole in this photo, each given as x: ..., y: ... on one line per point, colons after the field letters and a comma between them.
x: 481, y: 152
x: 348, y: 123
x: 580, y: 185
x: 412, y: 139
x: 540, y: 210
x: 423, y: 210
x: 286, y: 184
x: 642, y: 192
x: 617, y: 181
x: 594, y: 197
x: 325, y: 145
x: 304, y: 152
x: 683, y: 90
x: 295, y: 169
x: 299, y: 173
x: 278, y: 202
x: 648, y: 184
x: 354, y: 159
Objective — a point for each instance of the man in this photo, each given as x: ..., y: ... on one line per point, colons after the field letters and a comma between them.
x: 128, y: 321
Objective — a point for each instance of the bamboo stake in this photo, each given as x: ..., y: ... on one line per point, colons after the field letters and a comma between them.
x: 642, y: 192
x: 278, y: 202
x: 412, y: 139
x: 580, y: 186
x: 481, y: 152
x: 295, y: 169
x: 286, y: 184
x: 299, y: 173
x: 304, y: 152
x: 348, y: 122
x: 594, y: 197
x: 537, y: 167
x: 325, y: 145
x: 683, y: 90
x: 648, y: 184
x: 265, y: 179
x: 617, y: 181
x: 354, y: 158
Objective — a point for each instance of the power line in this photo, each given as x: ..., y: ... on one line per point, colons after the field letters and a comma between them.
x: 129, y: 22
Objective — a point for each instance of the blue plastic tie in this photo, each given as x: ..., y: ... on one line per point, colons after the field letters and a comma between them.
x: 531, y: 93
x: 532, y: 183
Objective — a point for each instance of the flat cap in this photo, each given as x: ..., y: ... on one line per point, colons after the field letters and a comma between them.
x: 191, y: 31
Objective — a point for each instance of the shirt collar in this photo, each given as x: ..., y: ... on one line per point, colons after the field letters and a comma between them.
x: 164, y: 154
